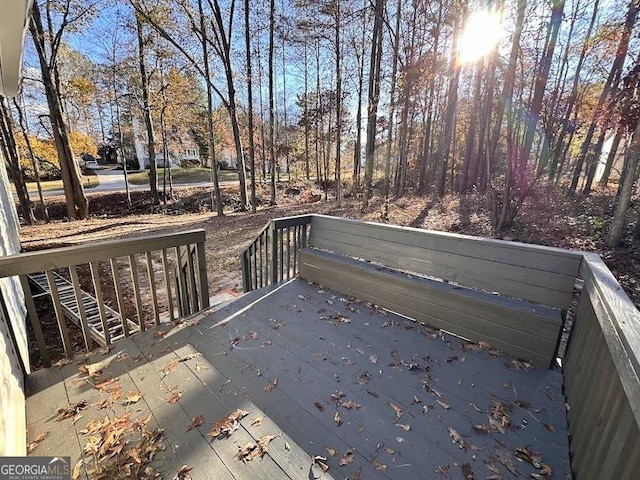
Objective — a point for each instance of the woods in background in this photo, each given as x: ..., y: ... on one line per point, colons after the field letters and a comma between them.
x: 362, y: 97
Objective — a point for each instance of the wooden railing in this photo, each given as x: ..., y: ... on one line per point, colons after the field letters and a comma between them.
x: 140, y: 274
x: 273, y: 255
x: 602, y: 384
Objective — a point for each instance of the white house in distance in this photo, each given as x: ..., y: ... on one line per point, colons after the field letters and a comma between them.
x: 618, y: 162
x: 184, y: 150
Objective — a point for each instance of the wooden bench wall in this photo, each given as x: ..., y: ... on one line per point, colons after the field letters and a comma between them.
x: 535, y: 273
x: 527, y: 331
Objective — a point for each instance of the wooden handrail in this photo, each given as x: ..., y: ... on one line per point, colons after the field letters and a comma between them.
x: 179, y: 252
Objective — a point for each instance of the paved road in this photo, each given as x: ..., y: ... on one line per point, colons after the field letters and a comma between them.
x: 112, y: 180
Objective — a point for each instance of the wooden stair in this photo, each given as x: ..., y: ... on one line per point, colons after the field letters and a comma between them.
x: 95, y: 323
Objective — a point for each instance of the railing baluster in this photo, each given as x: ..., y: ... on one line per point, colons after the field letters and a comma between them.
x: 152, y: 287
x: 136, y: 291
x: 296, y: 231
x: 167, y: 279
x: 80, y: 302
x: 191, y: 280
x: 274, y: 253
x: 115, y: 273
x: 260, y: 273
x: 288, y: 252
x: 180, y: 286
x: 280, y: 234
x: 255, y: 266
x: 95, y: 276
x: 203, y: 282
x: 57, y: 306
x: 35, y: 321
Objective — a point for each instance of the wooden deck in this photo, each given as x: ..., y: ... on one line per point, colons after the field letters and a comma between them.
x: 331, y: 376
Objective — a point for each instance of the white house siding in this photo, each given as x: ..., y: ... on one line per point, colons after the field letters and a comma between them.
x: 12, y: 316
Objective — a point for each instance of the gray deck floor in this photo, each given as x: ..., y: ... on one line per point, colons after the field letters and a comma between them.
x: 419, y: 394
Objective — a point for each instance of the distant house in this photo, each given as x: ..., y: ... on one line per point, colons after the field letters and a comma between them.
x: 184, y: 150
x: 618, y: 162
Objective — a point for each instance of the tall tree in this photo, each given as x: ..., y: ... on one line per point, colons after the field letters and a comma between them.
x: 47, y: 44
x: 272, y: 117
x: 252, y: 161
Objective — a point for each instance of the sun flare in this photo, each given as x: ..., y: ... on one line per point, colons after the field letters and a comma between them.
x: 481, y: 34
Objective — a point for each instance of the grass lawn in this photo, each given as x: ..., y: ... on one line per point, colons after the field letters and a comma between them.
x: 88, y: 181
x: 183, y: 175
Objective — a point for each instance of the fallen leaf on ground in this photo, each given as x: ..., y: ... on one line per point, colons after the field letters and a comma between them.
x: 252, y: 450
x: 337, y: 418
x: 415, y: 400
x: 72, y: 411
x: 318, y: 461
x: 61, y: 363
x: 351, y: 405
x: 271, y: 385
x: 175, y: 396
x: 95, y: 369
x: 379, y: 466
x: 504, y: 457
x: 133, y: 397
x: 183, y: 474
x: 476, y: 407
x: 287, y: 447
x: 403, y: 426
x: 467, y: 473
x: 227, y: 425
x: 373, y: 359
x: 319, y: 406
x: 457, y: 438
x: 257, y: 421
x: 332, y: 451
x: 195, y: 422
x: 550, y: 427
x: 347, y: 458
x: 34, y: 443
x: 355, y: 475
x: 446, y: 406
x: 397, y: 409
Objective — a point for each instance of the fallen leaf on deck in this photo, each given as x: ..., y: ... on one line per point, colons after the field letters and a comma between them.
x: 318, y: 461
x: 253, y: 450
x: 476, y: 407
x: 61, y: 363
x: 550, y: 427
x: 319, y: 406
x: 373, y: 359
x: 337, y: 396
x: 196, y: 422
x: 446, y: 406
x: 372, y: 393
x: 77, y: 470
x: 228, y: 425
x: 95, y: 369
x: 534, y: 458
x: 72, y: 411
x: 174, y: 397
x: 546, y: 470
x: 355, y: 475
x: 94, y: 425
x: 245, y: 451
x: 332, y: 451
x: 507, y: 385
x: 399, y: 439
x: 302, y: 297
x: 403, y: 426
x: 351, y: 405
x: 271, y: 385
x: 467, y: 473
x: 520, y: 365
x: 337, y: 418
x: 133, y: 397
x: 287, y: 447
x: 364, y: 378
x: 257, y: 421
x: 504, y: 457
x: 379, y: 466
x: 34, y: 443
x: 183, y: 474
x: 415, y: 400
x: 396, y: 409
x: 160, y: 334
x: 457, y: 439
x: 360, y: 350
x: 493, y: 468
x: 347, y: 458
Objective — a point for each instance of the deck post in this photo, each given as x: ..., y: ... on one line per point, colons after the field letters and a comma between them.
x: 274, y: 252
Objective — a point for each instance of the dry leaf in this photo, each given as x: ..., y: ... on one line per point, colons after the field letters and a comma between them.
x: 133, y: 397
x: 457, y: 438
x: 415, y: 400
x: 476, y: 407
x: 271, y: 385
x: 257, y: 421
x: 504, y: 457
x: 228, y: 425
x: 467, y: 473
x: 403, y: 426
x: 287, y: 447
x: 379, y: 466
x: 319, y: 406
x: 34, y: 443
x: 61, y: 363
x: 337, y: 418
x: 318, y: 461
x: 174, y: 397
x: 446, y: 406
x: 397, y: 409
x: 347, y: 458
x: 95, y: 369
x: 183, y: 474
x: 196, y: 422
x: 546, y: 470
x: 550, y: 427
x: 252, y: 450
x: 373, y: 359
x: 355, y: 475
x: 351, y: 405
x: 332, y: 451
x: 72, y: 411
x: 77, y: 470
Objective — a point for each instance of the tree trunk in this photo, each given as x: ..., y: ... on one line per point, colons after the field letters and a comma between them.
x: 374, y: 97
x: 252, y: 162
x: 10, y: 151
x: 212, y: 145
x: 627, y: 182
x: 338, y: 106
x: 272, y: 152
x: 76, y: 200
x: 392, y: 100
x: 144, y: 79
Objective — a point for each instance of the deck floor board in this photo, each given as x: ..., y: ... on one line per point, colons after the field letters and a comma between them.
x: 317, y: 343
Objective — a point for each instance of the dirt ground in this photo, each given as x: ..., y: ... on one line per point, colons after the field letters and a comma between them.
x: 549, y: 218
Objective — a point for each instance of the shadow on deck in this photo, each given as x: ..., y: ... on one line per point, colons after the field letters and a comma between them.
x: 332, y: 376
